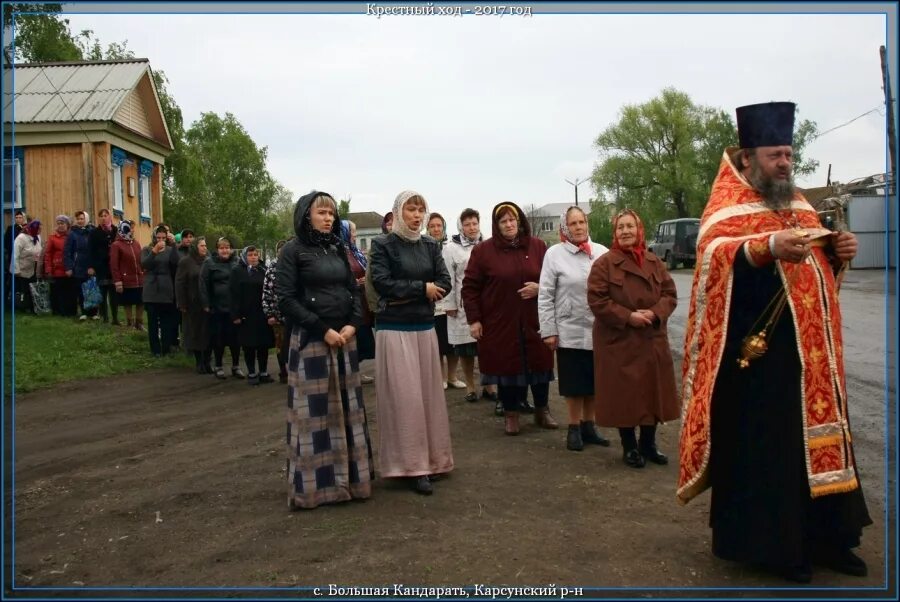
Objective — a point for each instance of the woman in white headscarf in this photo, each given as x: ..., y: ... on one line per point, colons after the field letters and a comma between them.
x: 409, y: 274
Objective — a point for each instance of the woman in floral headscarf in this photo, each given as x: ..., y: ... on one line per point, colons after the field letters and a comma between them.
x: 632, y: 296
x: 566, y: 322
x: 410, y: 276
x: 127, y: 275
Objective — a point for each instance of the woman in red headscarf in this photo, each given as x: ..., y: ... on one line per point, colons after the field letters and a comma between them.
x: 632, y: 296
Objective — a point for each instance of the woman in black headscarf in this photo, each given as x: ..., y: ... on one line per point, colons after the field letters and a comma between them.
x: 329, y: 454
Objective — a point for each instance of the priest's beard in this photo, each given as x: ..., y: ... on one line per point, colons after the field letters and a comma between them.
x: 776, y: 194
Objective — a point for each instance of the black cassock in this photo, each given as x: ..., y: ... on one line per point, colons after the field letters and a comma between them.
x: 761, y: 509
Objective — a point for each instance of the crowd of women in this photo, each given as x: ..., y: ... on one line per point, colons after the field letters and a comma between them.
x: 508, y: 300
x: 419, y: 305
x: 196, y: 300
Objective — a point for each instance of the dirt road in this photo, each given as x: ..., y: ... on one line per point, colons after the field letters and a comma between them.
x: 174, y: 479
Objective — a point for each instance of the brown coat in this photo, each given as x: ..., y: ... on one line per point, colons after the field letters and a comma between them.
x: 495, y: 273
x: 634, y: 377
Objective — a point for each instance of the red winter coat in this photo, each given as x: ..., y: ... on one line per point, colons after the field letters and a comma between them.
x: 53, y: 255
x: 495, y: 273
x: 125, y: 263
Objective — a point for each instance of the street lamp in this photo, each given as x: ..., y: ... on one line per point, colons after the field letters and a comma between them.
x: 575, y: 184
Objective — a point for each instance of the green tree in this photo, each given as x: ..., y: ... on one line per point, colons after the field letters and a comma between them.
x: 92, y: 49
x: 224, y: 181
x: 600, y: 221
x: 278, y: 221
x: 37, y: 34
x: 344, y: 207
x: 662, y: 156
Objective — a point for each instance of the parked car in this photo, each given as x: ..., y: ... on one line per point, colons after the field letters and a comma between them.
x: 676, y: 242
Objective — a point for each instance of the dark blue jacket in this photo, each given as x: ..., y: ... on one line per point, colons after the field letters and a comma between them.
x: 77, y: 252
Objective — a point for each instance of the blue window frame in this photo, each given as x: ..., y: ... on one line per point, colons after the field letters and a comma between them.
x: 13, y: 178
x: 118, y: 157
x: 144, y: 196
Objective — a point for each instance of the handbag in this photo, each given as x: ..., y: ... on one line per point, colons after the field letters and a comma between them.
x: 91, y: 293
x: 278, y: 331
x: 40, y: 296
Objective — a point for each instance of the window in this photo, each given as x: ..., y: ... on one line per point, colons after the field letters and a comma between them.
x: 118, y: 197
x: 13, y: 178
x: 144, y: 198
x: 118, y: 157
x: 361, y: 244
x: 547, y: 226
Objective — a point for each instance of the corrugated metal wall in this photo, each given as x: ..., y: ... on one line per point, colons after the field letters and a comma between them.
x: 866, y: 218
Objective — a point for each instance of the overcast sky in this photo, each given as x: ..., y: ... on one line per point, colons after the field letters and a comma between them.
x: 475, y: 110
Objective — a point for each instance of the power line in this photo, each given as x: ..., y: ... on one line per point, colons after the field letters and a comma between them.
x: 837, y: 127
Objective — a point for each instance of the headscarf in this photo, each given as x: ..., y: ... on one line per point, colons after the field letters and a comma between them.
x: 345, y: 237
x: 87, y: 218
x: 194, y: 251
x: 387, y: 216
x: 640, y: 245
x: 64, y: 218
x: 430, y: 217
x: 126, y: 232
x: 400, y: 228
x: 106, y: 222
x: 246, y: 251
x: 565, y: 235
x: 33, y: 229
x: 498, y: 238
x: 461, y: 237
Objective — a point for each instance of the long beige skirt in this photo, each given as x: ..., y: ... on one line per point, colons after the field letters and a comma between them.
x: 413, y: 428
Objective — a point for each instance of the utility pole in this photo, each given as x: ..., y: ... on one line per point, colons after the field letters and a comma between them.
x: 575, y: 184
x: 618, y: 203
x: 889, y: 105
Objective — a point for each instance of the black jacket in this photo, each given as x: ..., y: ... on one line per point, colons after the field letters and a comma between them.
x: 214, y: 276
x: 100, y: 241
x: 314, y: 285
x: 246, y: 305
x: 400, y: 269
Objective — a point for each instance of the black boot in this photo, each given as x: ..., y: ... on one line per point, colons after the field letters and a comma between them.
x: 204, y: 359
x: 647, y: 446
x: 573, y: 438
x: 421, y: 485
x: 589, y: 434
x: 526, y: 407
x: 631, y: 456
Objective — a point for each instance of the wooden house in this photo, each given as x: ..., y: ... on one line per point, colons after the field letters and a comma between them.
x: 84, y: 135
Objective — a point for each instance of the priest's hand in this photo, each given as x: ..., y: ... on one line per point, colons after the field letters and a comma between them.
x: 845, y: 245
x: 790, y: 247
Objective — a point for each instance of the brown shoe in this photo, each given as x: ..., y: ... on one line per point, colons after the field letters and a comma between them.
x: 543, y: 419
x: 512, y: 423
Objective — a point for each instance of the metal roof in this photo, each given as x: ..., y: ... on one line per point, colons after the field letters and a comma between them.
x: 68, y: 92
x: 366, y: 220
x: 557, y: 209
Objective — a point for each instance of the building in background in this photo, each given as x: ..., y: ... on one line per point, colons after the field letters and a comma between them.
x: 368, y: 226
x: 84, y: 135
